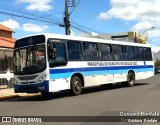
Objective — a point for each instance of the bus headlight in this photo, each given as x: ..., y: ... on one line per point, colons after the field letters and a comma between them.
x: 41, y: 79
x: 16, y: 82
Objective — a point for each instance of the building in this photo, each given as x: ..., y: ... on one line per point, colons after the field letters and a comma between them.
x: 123, y: 36
x: 6, y: 39
x: 133, y: 37
x: 6, y: 56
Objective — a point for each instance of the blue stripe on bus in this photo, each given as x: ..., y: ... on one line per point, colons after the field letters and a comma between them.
x: 66, y: 70
x: 91, y: 73
x: 66, y: 73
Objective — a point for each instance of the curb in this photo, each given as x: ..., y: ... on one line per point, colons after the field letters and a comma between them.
x: 9, y: 97
x: 16, y: 96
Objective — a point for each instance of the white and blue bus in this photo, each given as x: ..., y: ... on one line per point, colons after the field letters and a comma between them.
x: 49, y: 63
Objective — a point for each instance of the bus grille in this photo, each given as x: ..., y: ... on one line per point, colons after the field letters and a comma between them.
x: 28, y: 77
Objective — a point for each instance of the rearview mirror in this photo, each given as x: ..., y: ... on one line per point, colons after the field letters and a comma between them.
x: 52, y: 51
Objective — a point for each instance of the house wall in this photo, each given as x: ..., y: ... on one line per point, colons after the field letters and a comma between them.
x: 4, y: 33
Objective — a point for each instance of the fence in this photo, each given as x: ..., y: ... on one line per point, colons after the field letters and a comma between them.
x: 6, y: 72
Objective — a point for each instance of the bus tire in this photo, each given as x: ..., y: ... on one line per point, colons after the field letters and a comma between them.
x: 76, y: 85
x: 130, y: 80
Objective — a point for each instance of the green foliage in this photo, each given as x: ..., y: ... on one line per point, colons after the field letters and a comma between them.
x: 157, y: 63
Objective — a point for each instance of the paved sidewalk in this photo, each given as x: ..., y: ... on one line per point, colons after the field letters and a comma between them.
x: 9, y: 94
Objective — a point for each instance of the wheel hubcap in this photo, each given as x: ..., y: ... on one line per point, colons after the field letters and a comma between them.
x: 131, y: 79
x: 76, y: 83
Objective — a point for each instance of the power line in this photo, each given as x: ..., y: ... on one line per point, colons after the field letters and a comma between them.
x: 21, y: 13
x: 74, y: 7
x: 43, y: 20
x: 87, y: 28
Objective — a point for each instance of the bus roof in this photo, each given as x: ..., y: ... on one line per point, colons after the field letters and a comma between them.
x: 87, y: 39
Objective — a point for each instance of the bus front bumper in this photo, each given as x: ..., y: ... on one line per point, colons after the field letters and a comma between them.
x: 32, y: 88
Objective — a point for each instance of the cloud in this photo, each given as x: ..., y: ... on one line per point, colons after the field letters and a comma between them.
x: 141, y: 26
x: 154, y: 40
x: 94, y: 34
x: 121, y: 3
x: 155, y: 49
x: 12, y: 24
x: 30, y: 27
x: 39, y: 5
x: 104, y: 16
x: 145, y: 12
x: 72, y: 33
x: 154, y: 33
x: 133, y: 10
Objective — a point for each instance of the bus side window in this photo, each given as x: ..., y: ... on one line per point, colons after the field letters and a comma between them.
x: 105, y: 52
x: 90, y: 51
x: 129, y: 55
x: 139, y: 53
x: 57, y: 54
x: 148, y: 54
x: 74, y: 50
x: 117, y: 52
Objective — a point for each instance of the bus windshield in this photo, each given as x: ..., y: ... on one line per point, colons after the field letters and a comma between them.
x: 29, y: 60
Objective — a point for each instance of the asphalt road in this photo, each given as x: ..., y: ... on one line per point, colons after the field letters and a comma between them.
x: 96, y: 101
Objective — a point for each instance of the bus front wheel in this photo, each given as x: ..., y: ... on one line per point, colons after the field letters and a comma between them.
x: 76, y: 85
x: 130, y: 80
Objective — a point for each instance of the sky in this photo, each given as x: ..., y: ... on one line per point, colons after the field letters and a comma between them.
x: 28, y: 17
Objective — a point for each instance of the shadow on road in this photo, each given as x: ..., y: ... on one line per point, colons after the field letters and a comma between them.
x: 109, y: 87
x: 140, y: 84
x: 63, y: 94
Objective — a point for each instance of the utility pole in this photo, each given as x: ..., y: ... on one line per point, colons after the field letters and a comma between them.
x: 135, y: 39
x: 66, y: 19
x: 67, y: 15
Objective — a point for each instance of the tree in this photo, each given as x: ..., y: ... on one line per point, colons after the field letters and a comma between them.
x: 157, y: 63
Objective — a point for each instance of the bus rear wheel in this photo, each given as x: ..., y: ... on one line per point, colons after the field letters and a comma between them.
x: 130, y: 80
x: 76, y: 85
